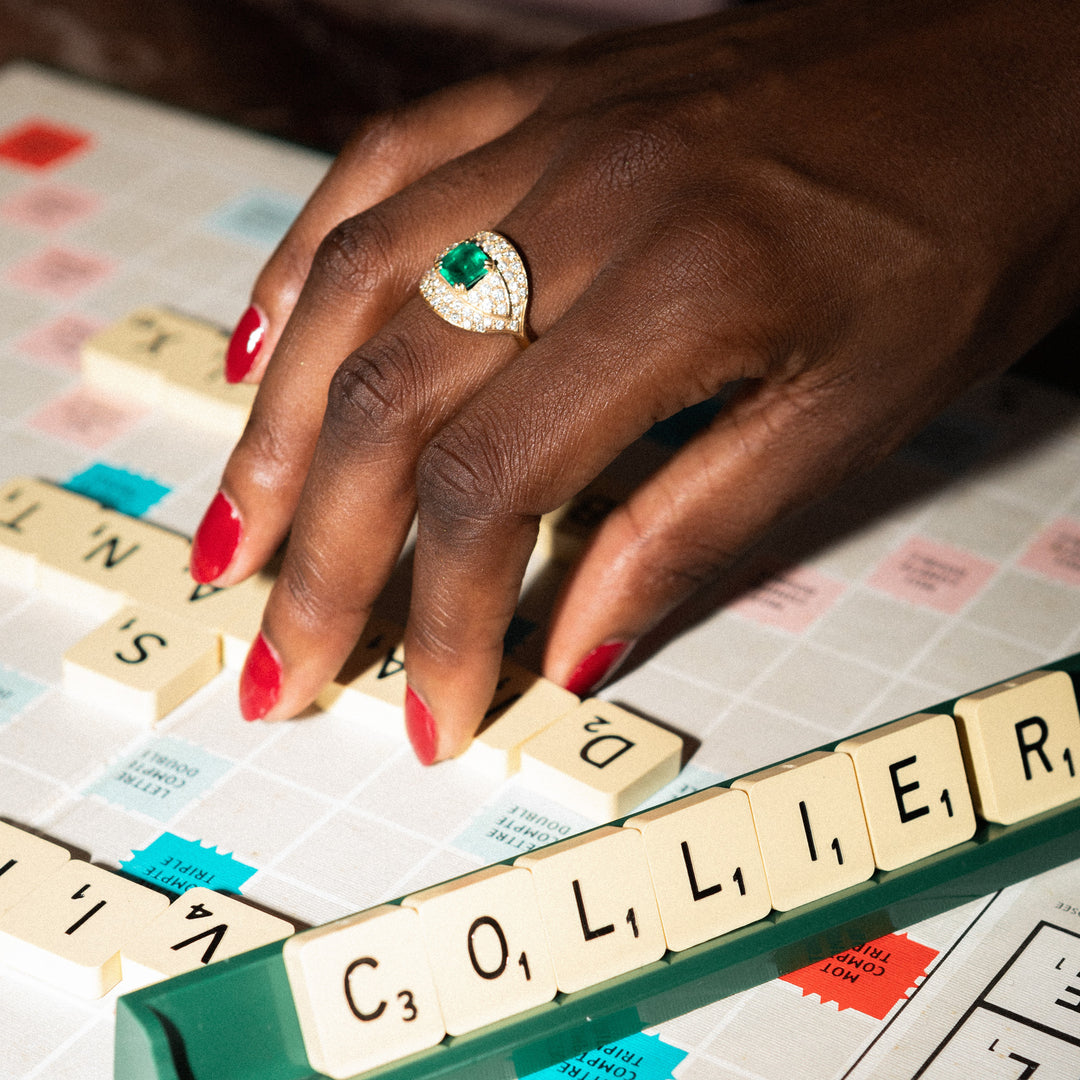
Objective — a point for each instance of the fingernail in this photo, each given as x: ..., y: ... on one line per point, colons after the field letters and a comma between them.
x: 216, y: 540
x: 260, y: 681
x: 245, y: 344
x: 420, y: 726
x: 599, y: 664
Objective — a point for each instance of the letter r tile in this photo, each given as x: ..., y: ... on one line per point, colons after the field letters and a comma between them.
x: 1021, y: 740
x: 601, y: 760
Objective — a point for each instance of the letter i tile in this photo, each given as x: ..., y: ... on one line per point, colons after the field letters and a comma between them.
x: 601, y: 760
x: 363, y: 990
x: 810, y: 826
x: 25, y: 861
x: 705, y: 864
x: 598, y: 906
x: 486, y: 944
x: 70, y: 929
x: 1021, y: 739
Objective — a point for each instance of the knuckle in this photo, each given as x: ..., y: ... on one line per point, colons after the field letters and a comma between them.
x: 372, y: 395
x: 356, y: 257
x: 312, y: 597
x: 459, y: 478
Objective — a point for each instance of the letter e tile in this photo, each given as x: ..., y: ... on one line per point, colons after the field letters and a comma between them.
x: 914, y: 788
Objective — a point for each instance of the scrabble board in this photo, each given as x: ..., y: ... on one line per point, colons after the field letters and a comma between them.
x: 954, y: 565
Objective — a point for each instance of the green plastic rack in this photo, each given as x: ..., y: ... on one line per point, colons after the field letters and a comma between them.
x: 234, y: 1020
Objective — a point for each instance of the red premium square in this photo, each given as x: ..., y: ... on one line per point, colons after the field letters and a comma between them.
x: 39, y: 144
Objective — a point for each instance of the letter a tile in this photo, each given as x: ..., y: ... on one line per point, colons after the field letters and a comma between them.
x: 810, y: 827
x: 914, y: 788
x: 70, y: 929
x: 1021, y: 739
x: 363, y: 990
x: 601, y: 760
x: 487, y: 947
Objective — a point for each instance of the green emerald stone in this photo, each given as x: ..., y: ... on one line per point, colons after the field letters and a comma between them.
x: 464, y: 264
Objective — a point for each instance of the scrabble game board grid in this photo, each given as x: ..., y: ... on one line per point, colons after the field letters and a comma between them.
x: 324, y: 839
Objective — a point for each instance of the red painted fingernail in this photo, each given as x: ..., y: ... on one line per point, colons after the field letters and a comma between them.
x: 260, y: 681
x: 245, y: 344
x: 420, y: 725
x: 596, y: 667
x: 216, y: 540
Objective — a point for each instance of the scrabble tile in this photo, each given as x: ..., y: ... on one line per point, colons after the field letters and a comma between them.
x: 31, y: 514
x: 70, y: 929
x: 26, y: 860
x: 142, y: 663
x: 810, y: 827
x: 486, y: 946
x: 565, y: 531
x: 235, y: 613
x: 598, y: 906
x: 1021, y: 741
x: 199, y: 927
x: 524, y: 705
x: 125, y: 358
x: 372, y: 681
x: 363, y: 991
x: 169, y: 360
x: 914, y: 789
x: 601, y: 760
x: 705, y: 865
x: 99, y: 564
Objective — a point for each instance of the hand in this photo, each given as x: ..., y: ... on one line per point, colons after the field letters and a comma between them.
x: 856, y: 207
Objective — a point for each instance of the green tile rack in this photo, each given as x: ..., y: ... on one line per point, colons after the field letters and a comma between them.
x: 235, y: 1020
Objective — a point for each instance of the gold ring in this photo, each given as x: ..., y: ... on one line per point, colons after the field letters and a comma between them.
x: 480, y: 284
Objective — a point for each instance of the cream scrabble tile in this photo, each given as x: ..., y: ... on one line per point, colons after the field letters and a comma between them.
x: 914, y: 788
x: 98, y: 564
x: 601, y: 760
x: 142, y: 663
x: 810, y: 827
x: 200, y: 393
x: 70, y: 929
x: 705, y: 864
x: 372, y: 680
x: 235, y: 613
x: 1021, y: 741
x: 598, y: 906
x: 486, y: 946
x: 126, y: 357
x: 199, y: 927
x: 524, y: 705
x: 32, y: 514
x: 26, y: 861
x: 363, y: 990
x: 565, y: 531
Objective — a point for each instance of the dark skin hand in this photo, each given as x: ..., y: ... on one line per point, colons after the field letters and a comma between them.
x: 858, y: 206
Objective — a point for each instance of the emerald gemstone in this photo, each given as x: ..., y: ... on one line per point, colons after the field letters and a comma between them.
x: 464, y: 264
